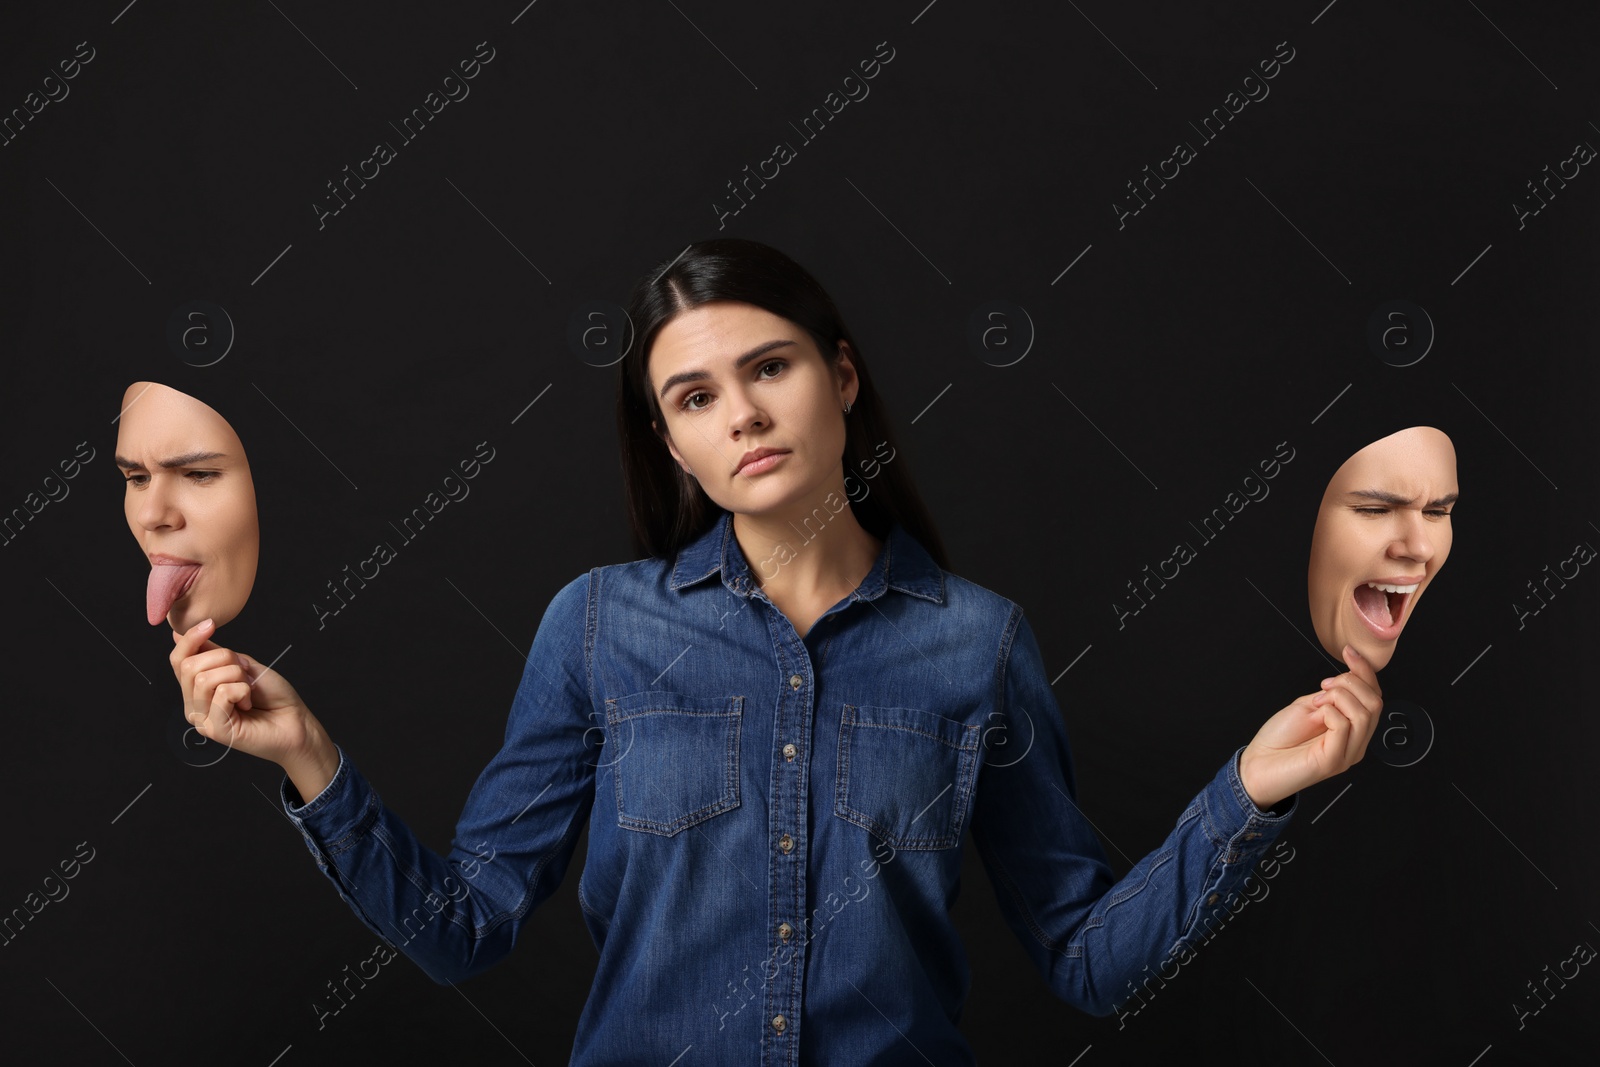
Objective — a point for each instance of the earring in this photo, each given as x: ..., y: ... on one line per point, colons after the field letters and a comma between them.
x: 847, y: 409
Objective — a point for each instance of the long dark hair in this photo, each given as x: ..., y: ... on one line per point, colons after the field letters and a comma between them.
x: 668, y: 509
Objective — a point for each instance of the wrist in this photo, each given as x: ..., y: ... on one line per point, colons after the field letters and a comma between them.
x: 1250, y: 778
x: 312, y: 765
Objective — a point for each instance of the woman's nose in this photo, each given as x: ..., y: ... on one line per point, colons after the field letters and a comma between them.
x: 744, y: 414
x: 1412, y: 540
x: 158, y: 506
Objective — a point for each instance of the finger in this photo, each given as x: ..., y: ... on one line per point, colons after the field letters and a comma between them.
x: 222, y: 721
x: 219, y: 721
x: 1362, y: 722
x: 219, y: 717
x: 209, y: 680
x: 1369, y: 697
x: 205, y: 646
x: 190, y: 669
x: 247, y: 703
x: 1324, y: 751
x: 188, y: 643
x: 1362, y: 668
x: 200, y: 694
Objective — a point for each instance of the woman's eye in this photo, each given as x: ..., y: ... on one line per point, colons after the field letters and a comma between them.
x: 687, y: 403
x: 1372, y: 511
x: 137, y: 479
x: 1439, y: 513
x: 203, y: 476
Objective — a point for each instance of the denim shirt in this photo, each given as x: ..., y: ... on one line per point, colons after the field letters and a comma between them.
x: 775, y: 840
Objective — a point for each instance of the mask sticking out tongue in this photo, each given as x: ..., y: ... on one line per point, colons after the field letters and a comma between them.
x: 1374, y: 604
x: 166, y: 585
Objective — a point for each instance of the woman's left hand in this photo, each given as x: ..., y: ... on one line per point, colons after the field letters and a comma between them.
x: 1316, y: 737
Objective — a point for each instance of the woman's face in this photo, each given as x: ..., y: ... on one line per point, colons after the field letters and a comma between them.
x: 1383, y: 532
x: 190, y: 503
x: 758, y: 382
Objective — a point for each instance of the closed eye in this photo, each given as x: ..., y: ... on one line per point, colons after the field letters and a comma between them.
x: 199, y: 477
x: 1440, y: 513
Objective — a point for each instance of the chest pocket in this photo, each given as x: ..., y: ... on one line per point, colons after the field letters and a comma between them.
x: 675, y: 758
x: 905, y: 775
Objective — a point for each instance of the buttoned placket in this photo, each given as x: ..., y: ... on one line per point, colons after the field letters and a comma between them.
x: 789, y: 851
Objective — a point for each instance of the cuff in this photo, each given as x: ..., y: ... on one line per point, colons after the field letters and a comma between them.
x: 1235, y: 822
x: 336, y: 818
x: 1282, y: 810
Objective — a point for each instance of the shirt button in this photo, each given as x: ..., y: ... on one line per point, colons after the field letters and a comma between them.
x: 779, y: 1023
x: 1251, y: 836
x: 794, y: 683
x: 785, y: 931
x: 790, y: 752
x: 1212, y: 899
x: 786, y: 844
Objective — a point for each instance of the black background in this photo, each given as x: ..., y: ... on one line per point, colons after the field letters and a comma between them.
x: 1231, y: 314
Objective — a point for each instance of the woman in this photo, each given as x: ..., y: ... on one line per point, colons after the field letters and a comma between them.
x: 779, y: 720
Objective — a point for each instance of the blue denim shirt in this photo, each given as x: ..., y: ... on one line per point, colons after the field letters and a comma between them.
x: 775, y: 840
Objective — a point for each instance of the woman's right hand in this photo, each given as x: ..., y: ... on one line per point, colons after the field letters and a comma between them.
x: 233, y: 700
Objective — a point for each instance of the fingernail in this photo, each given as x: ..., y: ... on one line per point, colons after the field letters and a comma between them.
x: 1352, y: 648
x: 206, y: 625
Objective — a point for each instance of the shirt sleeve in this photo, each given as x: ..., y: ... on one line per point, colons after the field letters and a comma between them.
x: 1095, y: 939
x: 456, y: 915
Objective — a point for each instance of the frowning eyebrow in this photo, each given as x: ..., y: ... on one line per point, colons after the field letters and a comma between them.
x: 701, y: 375
x: 188, y: 459
x: 1398, y: 500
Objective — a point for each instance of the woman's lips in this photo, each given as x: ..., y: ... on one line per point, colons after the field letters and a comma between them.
x: 1381, y: 604
x: 765, y: 463
x: 170, y: 580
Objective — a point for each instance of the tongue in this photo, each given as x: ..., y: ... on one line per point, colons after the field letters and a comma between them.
x: 1374, y: 604
x: 166, y: 585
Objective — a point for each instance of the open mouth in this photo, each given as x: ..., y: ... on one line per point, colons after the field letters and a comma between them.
x: 169, y: 583
x: 1382, y: 606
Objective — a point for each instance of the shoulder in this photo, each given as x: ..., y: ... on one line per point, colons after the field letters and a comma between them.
x: 623, y: 587
x: 640, y: 573
x: 969, y: 598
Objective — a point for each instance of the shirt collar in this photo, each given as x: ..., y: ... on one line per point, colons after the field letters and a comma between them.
x: 903, y: 564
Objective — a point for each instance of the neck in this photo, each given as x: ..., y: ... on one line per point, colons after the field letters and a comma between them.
x: 807, y: 553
